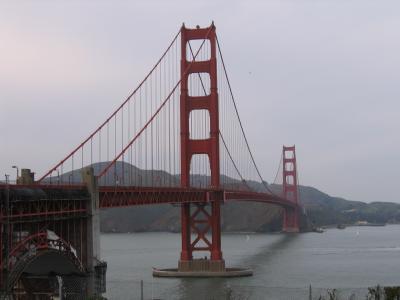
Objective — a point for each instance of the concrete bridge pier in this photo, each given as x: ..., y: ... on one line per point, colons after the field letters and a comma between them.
x: 96, y: 281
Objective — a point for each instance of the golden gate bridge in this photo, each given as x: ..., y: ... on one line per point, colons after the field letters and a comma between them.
x: 176, y: 139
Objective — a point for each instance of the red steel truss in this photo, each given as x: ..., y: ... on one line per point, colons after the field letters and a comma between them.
x: 122, y: 196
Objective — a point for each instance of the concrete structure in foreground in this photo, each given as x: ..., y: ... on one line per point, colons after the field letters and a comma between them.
x: 96, y: 269
x: 202, y: 268
x: 50, y: 241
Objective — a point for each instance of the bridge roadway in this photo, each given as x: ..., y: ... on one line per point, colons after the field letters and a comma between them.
x: 121, y: 196
x: 130, y: 195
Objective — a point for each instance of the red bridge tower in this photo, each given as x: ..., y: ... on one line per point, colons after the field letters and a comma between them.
x: 198, y: 217
x: 290, y: 189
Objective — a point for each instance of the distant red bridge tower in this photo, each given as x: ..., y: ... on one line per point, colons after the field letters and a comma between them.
x: 290, y: 189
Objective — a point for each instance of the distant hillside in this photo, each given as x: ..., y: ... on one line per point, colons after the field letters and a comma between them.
x: 321, y: 209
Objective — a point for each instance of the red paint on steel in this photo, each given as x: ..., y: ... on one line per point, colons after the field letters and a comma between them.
x: 40, y: 242
x: 290, y: 189
x: 186, y: 253
x: 121, y: 196
x: 190, y: 147
x: 258, y: 197
x: 185, y: 73
x: 131, y: 196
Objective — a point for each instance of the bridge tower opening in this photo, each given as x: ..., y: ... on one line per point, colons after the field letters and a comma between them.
x: 209, y: 146
x: 290, y: 189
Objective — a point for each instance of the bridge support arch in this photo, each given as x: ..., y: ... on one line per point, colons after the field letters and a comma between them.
x: 40, y: 272
x: 49, y: 232
x: 290, y: 189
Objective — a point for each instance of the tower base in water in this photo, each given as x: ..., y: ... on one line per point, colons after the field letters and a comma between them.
x: 201, y: 265
x: 202, y: 268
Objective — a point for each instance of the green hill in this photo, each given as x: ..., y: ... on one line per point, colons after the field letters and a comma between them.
x: 323, y: 209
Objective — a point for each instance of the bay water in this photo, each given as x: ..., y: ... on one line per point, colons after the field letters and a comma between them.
x: 284, y: 265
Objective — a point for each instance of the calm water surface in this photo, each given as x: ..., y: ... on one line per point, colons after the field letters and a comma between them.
x: 284, y: 265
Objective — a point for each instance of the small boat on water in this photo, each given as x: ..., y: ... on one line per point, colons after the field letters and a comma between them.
x: 365, y: 223
x: 318, y: 229
x: 341, y: 226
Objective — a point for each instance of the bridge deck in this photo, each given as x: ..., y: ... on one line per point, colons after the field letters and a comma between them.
x: 120, y: 196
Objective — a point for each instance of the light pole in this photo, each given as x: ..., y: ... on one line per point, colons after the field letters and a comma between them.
x: 7, y: 231
x: 116, y: 179
x: 7, y: 178
x: 15, y: 167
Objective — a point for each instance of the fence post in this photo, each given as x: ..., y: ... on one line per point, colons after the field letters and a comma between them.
x: 141, y: 289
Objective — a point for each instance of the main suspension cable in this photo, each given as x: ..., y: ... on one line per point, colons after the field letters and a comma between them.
x: 240, y: 121
x: 104, y: 171
x: 115, y: 112
x: 219, y: 131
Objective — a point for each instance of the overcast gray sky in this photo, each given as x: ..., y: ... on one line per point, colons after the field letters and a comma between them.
x: 323, y: 75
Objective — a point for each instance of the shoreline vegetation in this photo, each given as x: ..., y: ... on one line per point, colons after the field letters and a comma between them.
x: 374, y: 293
